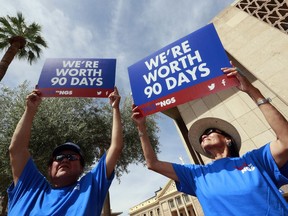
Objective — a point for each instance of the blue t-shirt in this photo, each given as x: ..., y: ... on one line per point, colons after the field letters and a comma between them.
x: 247, y: 185
x: 33, y: 194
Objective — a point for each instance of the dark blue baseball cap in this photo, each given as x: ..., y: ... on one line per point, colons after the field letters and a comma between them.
x: 72, y: 147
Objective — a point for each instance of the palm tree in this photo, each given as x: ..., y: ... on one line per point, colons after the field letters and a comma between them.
x: 20, y: 40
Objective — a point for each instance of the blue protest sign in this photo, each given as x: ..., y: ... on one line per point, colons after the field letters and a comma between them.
x: 180, y: 72
x: 77, y: 77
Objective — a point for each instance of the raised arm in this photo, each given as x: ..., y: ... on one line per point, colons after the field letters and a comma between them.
x: 161, y: 167
x: 115, y: 149
x: 279, y: 147
x: 18, y: 149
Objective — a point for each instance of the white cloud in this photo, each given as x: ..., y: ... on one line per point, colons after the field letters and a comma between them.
x: 82, y: 38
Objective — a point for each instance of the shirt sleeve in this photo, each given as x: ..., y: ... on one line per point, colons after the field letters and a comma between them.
x: 265, y: 160
x: 99, y: 181
x: 100, y: 169
x: 185, y: 174
x: 30, y: 180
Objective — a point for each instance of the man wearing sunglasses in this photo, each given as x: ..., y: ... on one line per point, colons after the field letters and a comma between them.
x: 230, y: 184
x: 68, y: 192
x: 68, y: 159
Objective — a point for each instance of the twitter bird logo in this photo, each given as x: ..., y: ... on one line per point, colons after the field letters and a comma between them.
x: 211, y: 86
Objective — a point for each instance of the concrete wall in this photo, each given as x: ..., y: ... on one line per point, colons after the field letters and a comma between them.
x: 261, y: 51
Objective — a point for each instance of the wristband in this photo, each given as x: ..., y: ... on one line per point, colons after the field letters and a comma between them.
x: 140, y: 134
x: 263, y: 101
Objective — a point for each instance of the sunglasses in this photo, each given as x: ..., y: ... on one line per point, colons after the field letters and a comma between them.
x: 212, y: 130
x: 70, y: 157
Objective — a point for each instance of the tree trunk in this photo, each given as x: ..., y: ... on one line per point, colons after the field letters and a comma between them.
x: 15, y: 45
x: 106, y: 208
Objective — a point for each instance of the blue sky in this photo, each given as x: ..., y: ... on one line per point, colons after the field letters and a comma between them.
x: 127, y: 30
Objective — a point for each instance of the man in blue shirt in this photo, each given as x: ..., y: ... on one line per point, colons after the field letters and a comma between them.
x: 66, y: 193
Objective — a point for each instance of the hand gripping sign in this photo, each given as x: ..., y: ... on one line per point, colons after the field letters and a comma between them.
x: 77, y: 77
x: 187, y: 69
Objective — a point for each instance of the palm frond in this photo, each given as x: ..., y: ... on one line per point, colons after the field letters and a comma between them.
x: 6, y: 26
x: 18, y: 23
x: 3, y: 45
x: 40, y: 41
x: 12, y: 26
x: 32, y: 30
x: 31, y: 57
x: 22, y: 54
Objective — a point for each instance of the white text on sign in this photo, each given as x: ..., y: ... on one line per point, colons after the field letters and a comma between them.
x: 188, y: 65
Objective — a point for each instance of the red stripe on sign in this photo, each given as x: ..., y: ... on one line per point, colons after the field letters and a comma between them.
x: 197, y: 91
x: 69, y: 92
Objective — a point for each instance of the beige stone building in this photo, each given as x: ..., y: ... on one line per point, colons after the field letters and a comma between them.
x: 167, y: 201
x: 254, y: 34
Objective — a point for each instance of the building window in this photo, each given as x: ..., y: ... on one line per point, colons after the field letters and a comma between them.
x: 179, y: 200
x: 186, y: 198
x: 158, y: 212
x: 171, y: 203
x: 151, y: 213
x: 273, y: 12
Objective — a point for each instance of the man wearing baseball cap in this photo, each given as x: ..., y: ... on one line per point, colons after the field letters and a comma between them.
x: 67, y: 192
